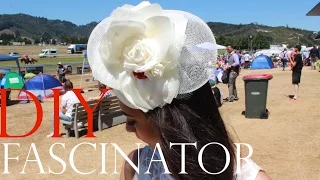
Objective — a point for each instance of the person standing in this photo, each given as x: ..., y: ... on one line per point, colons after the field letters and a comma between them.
x: 297, y: 65
x: 61, y: 72
x: 239, y: 52
x: 305, y: 57
x: 284, y: 58
x: 247, y: 59
x: 233, y: 66
x: 314, y: 54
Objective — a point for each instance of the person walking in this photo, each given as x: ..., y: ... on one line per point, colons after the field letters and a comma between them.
x: 297, y: 65
x: 284, y: 59
x: 233, y: 66
x: 314, y: 55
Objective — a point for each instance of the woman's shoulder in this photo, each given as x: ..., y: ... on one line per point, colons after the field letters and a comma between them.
x: 127, y: 171
x: 251, y: 171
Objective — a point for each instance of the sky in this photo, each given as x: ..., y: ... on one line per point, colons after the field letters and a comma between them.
x: 266, y: 12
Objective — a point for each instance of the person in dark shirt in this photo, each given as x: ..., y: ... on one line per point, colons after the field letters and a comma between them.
x: 61, y: 72
x: 297, y: 65
x: 314, y: 54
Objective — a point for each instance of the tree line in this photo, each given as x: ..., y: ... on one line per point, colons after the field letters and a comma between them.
x: 7, y: 38
x: 257, y: 42
x: 48, y: 39
x: 45, y: 38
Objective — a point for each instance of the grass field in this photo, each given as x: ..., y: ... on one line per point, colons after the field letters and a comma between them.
x: 31, y: 50
x: 48, y: 63
x: 35, y: 50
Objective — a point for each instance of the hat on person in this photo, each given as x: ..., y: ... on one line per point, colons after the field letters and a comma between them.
x: 150, y: 56
x: 59, y: 63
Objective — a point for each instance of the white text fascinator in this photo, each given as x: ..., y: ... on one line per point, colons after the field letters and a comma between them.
x: 149, y: 56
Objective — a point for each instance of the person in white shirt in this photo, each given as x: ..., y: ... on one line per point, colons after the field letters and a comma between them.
x: 66, y: 107
x: 305, y: 57
x: 247, y: 59
x: 284, y: 56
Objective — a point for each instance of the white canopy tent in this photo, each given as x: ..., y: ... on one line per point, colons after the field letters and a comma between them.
x: 306, y: 48
x: 268, y: 52
x: 211, y: 46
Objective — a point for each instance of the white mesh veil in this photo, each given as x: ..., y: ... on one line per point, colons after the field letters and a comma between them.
x: 198, y: 50
x: 194, y: 60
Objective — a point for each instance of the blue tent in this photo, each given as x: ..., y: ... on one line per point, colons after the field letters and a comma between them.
x: 262, y: 62
x: 40, y: 85
x: 4, y: 57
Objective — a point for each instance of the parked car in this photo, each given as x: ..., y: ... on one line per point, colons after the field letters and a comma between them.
x: 15, y: 54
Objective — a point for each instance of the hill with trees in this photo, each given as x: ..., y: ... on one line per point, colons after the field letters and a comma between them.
x: 40, y: 29
x: 31, y: 29
x: 262, y: 36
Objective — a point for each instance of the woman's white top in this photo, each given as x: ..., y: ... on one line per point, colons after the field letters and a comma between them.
x: 249, y: 171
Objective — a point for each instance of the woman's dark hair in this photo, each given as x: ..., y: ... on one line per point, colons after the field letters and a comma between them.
x: 190, y: 120
x: 68, y: 85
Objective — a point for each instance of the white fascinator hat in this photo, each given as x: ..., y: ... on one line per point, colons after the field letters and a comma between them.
x: 150, y: 56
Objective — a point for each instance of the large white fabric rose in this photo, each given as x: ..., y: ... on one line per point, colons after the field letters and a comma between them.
x: 139, y: 54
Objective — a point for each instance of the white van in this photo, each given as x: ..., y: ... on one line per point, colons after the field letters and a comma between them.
x: 76, y: 48
x: 48, y: 53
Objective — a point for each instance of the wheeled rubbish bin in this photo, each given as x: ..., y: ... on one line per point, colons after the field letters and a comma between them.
x: 256, y: 91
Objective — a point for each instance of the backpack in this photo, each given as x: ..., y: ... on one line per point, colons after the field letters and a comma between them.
x: 225, y: 77
x: 283, y: 55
